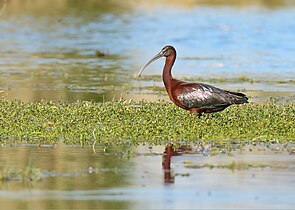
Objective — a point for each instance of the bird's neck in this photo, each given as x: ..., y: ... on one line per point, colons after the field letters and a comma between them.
x: 167, y: 76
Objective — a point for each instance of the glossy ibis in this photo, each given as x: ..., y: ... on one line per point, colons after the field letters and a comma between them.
x: 195, y: 97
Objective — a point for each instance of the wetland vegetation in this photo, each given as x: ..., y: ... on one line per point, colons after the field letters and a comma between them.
x: 128, y: 122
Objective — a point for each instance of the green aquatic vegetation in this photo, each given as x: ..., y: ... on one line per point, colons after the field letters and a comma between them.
x: 158, y: 78
x: 28, y: 173
x: 133, y: 123
x: 222, y: 79
x: 233, y: 166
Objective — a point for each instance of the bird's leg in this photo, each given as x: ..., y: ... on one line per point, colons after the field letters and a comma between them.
x: 194, y: 110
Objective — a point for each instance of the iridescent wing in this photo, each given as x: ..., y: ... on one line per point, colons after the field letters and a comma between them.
x: 199, y: 95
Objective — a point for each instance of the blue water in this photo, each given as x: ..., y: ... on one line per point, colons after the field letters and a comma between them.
x: 77, y: 178
x: 53, y: 56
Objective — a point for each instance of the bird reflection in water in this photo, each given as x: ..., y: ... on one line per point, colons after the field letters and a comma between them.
x: 166, y: 161
x: 166, y: 164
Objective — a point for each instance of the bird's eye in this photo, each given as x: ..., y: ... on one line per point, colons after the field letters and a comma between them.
x: 164, y: 51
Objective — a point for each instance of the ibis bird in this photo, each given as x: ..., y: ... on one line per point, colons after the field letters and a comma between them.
x: 195, y: 97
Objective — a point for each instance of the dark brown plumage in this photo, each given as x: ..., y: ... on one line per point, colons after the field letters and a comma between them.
x: 195, y: 97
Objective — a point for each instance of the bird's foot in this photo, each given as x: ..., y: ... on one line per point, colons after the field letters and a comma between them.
x: 194, y: 111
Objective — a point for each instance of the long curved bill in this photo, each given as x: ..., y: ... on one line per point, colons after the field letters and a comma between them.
x: 156, y: 57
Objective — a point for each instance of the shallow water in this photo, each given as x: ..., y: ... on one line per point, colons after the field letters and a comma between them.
x: 131, y: 178
x: 51, y: 54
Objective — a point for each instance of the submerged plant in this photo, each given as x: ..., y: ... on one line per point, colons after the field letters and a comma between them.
x: 29, y: 173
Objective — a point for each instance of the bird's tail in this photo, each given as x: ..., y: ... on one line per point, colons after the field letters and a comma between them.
x: 238, y: 98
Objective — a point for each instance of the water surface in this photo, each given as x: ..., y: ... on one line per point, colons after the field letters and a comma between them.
x: 92, y: 50
x: 64, y: 177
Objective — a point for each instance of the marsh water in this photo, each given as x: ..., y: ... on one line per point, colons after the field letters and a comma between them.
x: 63, y: 177
x: 92, y: 50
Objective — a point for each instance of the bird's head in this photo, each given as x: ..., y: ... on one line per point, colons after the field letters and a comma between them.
x: 165, y: 52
